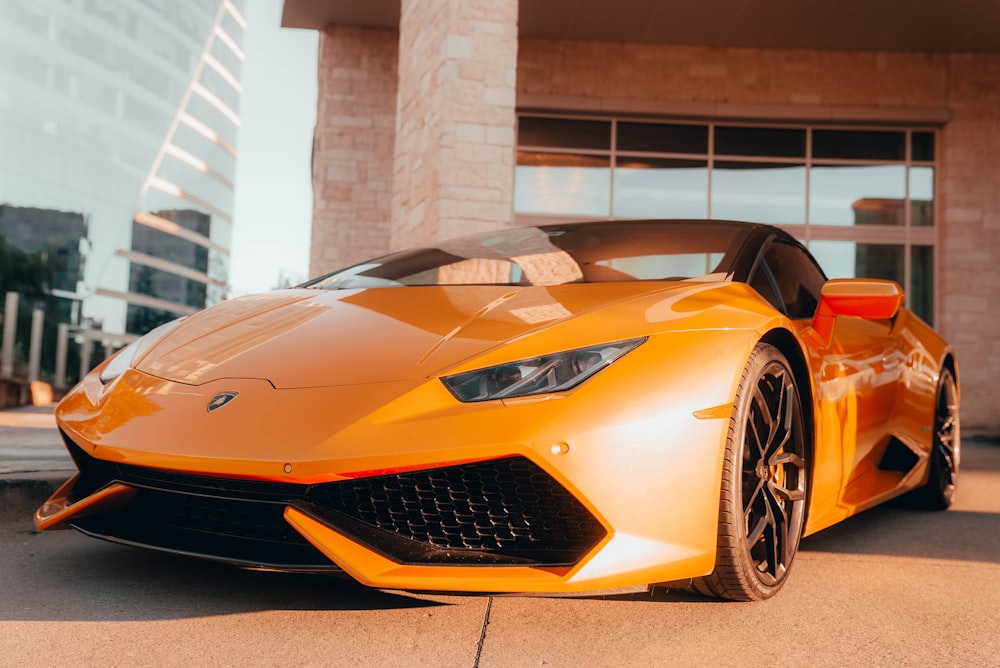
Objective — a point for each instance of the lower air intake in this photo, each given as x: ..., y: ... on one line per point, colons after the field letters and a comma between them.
x: 498, y: 511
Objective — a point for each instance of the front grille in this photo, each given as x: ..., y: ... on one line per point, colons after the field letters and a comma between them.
x: 505, y: 507
x: 503, y: 511
x: 233, y: 520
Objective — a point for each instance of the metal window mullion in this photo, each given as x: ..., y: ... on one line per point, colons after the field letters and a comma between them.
x: 612, y: 163
x: 936, y: 232
x: 711, y: 168
x: 809, y: 149
x: 907, y: 222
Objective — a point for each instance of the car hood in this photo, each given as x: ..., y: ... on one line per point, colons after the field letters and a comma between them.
x: 321, y: 338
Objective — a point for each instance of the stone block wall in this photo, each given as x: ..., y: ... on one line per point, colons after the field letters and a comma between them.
x: 353, y: 147
x: 969, y: 244
x: 720, y: 76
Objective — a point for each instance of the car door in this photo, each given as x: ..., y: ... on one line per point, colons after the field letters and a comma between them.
x: 856, y: 377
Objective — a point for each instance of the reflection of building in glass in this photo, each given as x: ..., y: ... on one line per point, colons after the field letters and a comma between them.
x: 126, y: 112
x: 41, y: 261
x: 53, y: 237
x: 169, y: 269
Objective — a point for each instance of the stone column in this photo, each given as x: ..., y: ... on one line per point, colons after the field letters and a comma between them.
x: 62, y: 350
x: 35, y: 347
x: 970, y: 232
x: 353, y: 147
x: 9, y: 334
x: 455, y: 116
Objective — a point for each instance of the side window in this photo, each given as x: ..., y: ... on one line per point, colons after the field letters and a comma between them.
x: 761, y: 282
x: 798, y: 278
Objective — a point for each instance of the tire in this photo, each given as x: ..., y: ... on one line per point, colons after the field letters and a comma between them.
x: 764, y: 484
x: 946, y: 449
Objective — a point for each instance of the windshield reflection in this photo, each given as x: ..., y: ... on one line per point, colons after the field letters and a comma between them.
x: 556, y: 255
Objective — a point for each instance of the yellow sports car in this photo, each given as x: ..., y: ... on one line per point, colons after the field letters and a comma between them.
x: 537, y: 409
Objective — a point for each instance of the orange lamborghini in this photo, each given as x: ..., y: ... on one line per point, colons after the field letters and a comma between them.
x: 538, y: 409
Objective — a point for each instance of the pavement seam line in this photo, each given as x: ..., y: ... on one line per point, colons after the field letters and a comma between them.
x: 482, y: 632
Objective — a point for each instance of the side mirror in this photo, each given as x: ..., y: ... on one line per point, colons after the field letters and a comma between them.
x: 867, y: 298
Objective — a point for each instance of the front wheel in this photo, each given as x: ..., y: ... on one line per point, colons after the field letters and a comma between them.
x: 764, y: 483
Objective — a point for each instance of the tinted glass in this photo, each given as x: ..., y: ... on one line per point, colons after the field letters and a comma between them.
x: 921, y: 292
x: 772, y: 142
x: 798, y: 278
x: 662, y: 138
x: 564, y: 133
x: 761, y: 282
x: 554, y: 255
x: 922, y: 146
x: 859, y: 144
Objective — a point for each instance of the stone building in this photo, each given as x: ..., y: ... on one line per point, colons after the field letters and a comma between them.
x: 870, y: 130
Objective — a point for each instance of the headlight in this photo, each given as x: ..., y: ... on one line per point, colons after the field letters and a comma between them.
x: 538, y: 375
x: 124, y: 358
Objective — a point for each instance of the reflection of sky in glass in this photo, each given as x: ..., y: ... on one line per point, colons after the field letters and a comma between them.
x: 661, y: 193
x: 581, y: 191
x: 765, y: 194
x: 922, y: 195
x: 834, y: 190
x: 835, y: 257
x: 922, y: 183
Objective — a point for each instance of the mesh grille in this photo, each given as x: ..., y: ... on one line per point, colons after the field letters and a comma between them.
x: 499, y: 511
x: 506, y: 506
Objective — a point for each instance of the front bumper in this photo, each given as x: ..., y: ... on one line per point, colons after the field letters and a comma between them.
x: 612, y: 486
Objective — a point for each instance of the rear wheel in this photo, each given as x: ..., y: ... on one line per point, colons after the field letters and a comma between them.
x: 946, y: 449
x: 764, y: 484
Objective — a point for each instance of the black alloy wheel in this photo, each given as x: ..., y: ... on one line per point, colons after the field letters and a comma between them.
x: 764, y: 483
x: 946, y: 448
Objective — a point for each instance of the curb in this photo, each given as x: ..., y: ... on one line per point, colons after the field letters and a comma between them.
x: 22, y: 493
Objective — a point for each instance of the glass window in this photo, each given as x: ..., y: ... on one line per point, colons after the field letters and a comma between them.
x: 922, y: 196
x: 562, y: 183
x: 759, y: 192
x: 864, y: 197
x: 798, y: 279
x: 859, y: 144
x: 558, y: 254
x: 922, y: 282
x: 771, y: 142
x: 849, y: 259
x: 663, y: 138
x: 564, y: 133
x: 923, y: 146
x: 857, y: 194
x: 761, y: 282
x: 661, y: 188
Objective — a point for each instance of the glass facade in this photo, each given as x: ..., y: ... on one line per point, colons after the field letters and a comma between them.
x: 120, y: 118
x: 862, y: 199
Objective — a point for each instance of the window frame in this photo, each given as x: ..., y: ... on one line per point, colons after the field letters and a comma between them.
x: 908, y: 235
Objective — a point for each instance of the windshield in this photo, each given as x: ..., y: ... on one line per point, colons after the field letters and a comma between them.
x: 558, y: 254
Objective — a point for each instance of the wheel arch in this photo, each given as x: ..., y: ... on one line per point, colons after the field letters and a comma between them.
x: 950, y: 364
x: 785, y: 341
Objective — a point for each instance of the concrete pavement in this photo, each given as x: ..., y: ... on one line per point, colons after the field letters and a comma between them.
x: 33, y: 460
x: 889, y: 587
x: 30, y: 443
